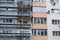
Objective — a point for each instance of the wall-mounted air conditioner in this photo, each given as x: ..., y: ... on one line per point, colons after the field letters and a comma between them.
x: 48, y: 12
x: 53, y: 3
x: 59, y: 26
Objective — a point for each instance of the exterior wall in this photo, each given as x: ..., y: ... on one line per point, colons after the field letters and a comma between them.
x: 52, y: 27
x: 39, y: 4
x: 40, y: 38
x: 38, y: 14
x: 49, y: 5
x: 39, y: 26
x: 51, y: 16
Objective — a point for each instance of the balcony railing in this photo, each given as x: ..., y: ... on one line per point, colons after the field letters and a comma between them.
x: 25, y: 3
x: 7, y: 17
x: 27, y: 26
x: 27, y: 13
x: 16, y: 25
x: 8, y: 13
x: 19, y: 13
x: 16, y: 34
x: 24, y: 14
x: 8, y: 25
x: 8, y: 4
x: 6, y: 1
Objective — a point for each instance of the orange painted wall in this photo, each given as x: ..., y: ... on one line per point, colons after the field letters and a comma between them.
x: 39, y: 14
x: 39, y: 26
x: 40, y: 38
x: 39, y: 4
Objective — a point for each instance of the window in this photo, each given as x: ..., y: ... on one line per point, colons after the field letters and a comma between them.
x: 8, y: 9
x: 39, y: 0
x: 6, y: 0
x: 43, y: 0
x: 39, y: 9
x: 40, y: 32
x: 27, y: 0
x: 40, y: 20
x: 34, y: 32
x: 11, y: 9
x: 56, y: 33
x: 45, y: 20
x: 24, y: 31
x: 55, y: 21
x: 45, y: 32
x: 10, y: 0
x: 55, y: 10
x: 56, y: 1
x: 2, y: 9
x: 3, y: 20
x: 7, y: 20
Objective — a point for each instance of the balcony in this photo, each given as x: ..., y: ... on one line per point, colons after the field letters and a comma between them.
x: 8, y: 13
x: 16, y: 34
x: 25, y: 11
x: 27, y: 14
x: 24, y: 3
x: 2, y: 17
x: 24, y: 20
x: 8, y: 23
x: 8, y: 4
x: 19, y: 26
x: 24, y: 14
x: 27, y: 0
x: 25, y: 26
x: 25, y: 34
x: 9, y: 34
x: 8, y: 26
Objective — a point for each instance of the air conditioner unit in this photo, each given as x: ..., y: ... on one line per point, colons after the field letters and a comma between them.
x: 48, y: 12
x: 59, y: 26
x: 53, y: 3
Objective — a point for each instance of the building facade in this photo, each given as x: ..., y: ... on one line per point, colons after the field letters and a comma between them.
x: 53, y: 19
x: 29, y: 19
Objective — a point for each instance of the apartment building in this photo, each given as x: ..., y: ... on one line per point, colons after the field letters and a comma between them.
x: 29, y: 20
x: 15, y: 20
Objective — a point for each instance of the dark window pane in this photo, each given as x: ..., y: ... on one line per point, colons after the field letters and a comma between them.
x: 34, y: 32
x: 38, y: 32
x: 41, y: 20
x: 42, y: 33
x: 45, y: 32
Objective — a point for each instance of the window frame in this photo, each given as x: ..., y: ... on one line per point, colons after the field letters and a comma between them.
x: 40, y: 9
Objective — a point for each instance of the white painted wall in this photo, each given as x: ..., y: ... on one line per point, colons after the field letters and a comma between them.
x: 52, y: 27
x: 51, y: 16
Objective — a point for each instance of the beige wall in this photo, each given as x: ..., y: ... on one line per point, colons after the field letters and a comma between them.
x: 40, y: 38
x: 39, y: 14
x: 39, y: 26
x: 39, y: 4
